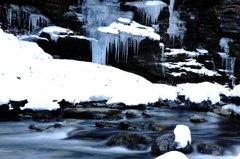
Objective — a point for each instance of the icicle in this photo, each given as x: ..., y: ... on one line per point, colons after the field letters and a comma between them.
x: 224, y: 44
x: 36, y: 21
x: 176, y: 27
x: 162, y: 59
x: 149, y: 10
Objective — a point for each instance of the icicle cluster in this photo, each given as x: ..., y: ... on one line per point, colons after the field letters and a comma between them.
x: 149, y: 10
x: 113, y: 34
x: 22, y: 17
x: 176, y: 26
x: 227, y: 59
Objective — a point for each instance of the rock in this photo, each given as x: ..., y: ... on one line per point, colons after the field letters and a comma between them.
x: 90, y: 113
x: 224, y: 112
x: 65, y: 104
x: 147, y: 114
x: 43, y: 116
x: 203, y: 106
x: 102, y: 124
x: 131, y: 114
x: 151, y: 126
x: 163, y: 144
x: 5, y: 113
x: 55, y: 126
x: 130, y: 141
x: 166, y: 143
x: 172, y: 104
x: 209, y: 149
x: 195, y: 118
x: 19, y: 117
x: 38, y: 129
x: 124, y: 125
x: 17, y: 104
x: 27, y: 117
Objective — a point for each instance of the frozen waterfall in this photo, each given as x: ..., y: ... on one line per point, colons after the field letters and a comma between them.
x: 176, y: 26
x: 114, y: 31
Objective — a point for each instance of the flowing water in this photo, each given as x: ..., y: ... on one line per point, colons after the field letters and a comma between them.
x: 81, y: 139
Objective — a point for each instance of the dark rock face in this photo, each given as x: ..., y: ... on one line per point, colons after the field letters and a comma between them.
x: 206, y: 22
x: 129, y: 140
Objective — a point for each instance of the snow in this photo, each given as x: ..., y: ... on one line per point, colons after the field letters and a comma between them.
x: 182, y: 136
x: 27, y: 72
x: 133, y: 28
x: 233, y: 107
x: 55, y: 32
x: 172, y: 155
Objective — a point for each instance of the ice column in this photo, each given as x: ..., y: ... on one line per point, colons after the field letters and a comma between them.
x: 176, y: 26
x: 229, y: 61
x: 37, y: 21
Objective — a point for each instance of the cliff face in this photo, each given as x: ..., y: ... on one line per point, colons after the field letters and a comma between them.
x: 207, y: 22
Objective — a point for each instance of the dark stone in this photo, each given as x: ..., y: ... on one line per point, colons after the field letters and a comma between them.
x: 131, y: 114
x: 38, y: 129
x: 147, y: 114
x: 149, y: 126
x: 43, y: 116
x: 203, y: 106
x: 124, y: 125
x: 130, y: 140
x: 167, y: 143
x: 163, y: 144
x: 209, y: 149
x: 195, y: 118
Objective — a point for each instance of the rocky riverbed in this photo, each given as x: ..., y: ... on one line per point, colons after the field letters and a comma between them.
x: 96, y: 130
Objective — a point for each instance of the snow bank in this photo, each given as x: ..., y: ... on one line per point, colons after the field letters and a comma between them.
x: 41, y: 80
x: 172, y: 155
x: 27, y: 72
x: 182, y: 136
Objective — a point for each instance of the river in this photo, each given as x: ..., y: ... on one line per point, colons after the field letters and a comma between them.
x: 17, y: 141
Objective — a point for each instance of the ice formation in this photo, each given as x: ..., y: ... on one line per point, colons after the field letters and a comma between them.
x: 227, y: 59
x: 114, y: 31
x: 176, y: 26
x: 149, y: 10
x: 37, y: 21
x: 224, y: 44
x: 24, y: 18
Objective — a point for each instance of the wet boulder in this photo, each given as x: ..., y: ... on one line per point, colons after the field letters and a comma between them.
x: 102, y: 124
x: 203, y: 106
x: 226, y: 113
x: 209, y: 149
x: 130, y: 140
x: 163, y: 144
x: 131, y: 114
x: 125, y: 125
x: 195, y: 118
x: 151, y: 126
x: 147, y: 114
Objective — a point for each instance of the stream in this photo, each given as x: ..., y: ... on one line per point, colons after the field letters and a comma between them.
x: 17, y: 141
